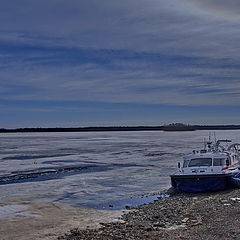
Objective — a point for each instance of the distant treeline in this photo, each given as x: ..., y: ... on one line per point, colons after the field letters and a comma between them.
x: 170, y: 127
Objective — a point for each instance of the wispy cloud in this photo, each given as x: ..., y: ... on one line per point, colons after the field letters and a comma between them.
x: 227, y: 9
x: 137, y: 51
x: 119, y: 76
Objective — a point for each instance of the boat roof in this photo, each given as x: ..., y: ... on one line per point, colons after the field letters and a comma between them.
x: 206, y: 155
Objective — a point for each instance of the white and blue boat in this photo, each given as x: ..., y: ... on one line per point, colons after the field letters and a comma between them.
x: 213, y: 168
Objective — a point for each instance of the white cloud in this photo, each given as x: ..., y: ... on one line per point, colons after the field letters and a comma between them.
x: 229, y: 9
x: 150, y: 25
x: 163, y: 52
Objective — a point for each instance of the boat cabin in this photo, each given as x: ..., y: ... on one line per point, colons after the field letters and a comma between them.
x: 203, y: 162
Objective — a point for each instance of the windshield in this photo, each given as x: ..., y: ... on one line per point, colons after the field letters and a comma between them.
x: 219, y: 161
x: 199, y: 162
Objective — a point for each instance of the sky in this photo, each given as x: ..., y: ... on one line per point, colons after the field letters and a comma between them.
x: 119, y: 63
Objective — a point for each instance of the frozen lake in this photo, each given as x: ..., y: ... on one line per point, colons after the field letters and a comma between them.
x: 91, y: 168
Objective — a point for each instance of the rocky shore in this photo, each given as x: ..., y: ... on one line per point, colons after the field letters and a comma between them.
x: 182, y: 216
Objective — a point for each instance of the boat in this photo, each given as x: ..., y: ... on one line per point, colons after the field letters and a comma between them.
x: 213, y: 168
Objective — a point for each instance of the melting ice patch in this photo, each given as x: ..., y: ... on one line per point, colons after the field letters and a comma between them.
x: 13, y: 210
x: 91, y: 168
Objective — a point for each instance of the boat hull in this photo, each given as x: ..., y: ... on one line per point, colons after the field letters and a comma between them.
x: 200, y: 183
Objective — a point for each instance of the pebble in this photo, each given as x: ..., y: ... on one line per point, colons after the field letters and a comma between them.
x: 185, y: 220
x: 148, y: 229
x: 235, y: 199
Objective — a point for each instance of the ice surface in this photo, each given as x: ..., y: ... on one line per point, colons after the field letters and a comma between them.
x: 15, y: 210
x: 90, y: 168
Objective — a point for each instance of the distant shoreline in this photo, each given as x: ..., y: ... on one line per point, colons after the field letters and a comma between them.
x: 124, y: 129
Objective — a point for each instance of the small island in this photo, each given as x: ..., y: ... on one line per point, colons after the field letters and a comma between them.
x: 173, y: 127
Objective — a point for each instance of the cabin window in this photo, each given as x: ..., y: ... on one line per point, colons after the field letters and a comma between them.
x: 185, y: 163
x: 200, y: 162
x: 219, y: 161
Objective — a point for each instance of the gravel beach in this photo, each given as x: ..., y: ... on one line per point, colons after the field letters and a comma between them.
x: 181, y: 216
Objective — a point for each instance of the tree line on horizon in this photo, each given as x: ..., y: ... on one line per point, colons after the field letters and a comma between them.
x: 169, y: 127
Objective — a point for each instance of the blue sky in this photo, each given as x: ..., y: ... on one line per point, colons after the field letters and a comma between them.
x: 130, y: 62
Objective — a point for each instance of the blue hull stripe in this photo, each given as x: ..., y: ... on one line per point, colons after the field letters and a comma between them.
x: 199, y: 184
